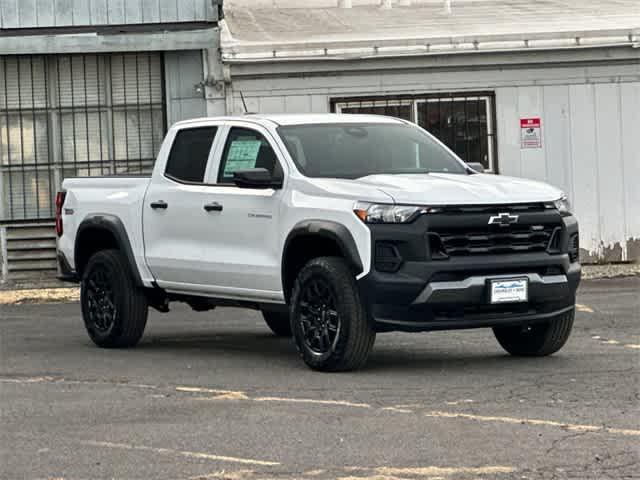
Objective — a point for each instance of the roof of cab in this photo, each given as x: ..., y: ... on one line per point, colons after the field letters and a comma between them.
x: 297, y: 119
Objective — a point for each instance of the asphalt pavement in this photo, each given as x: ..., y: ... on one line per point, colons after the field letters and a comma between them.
x: 216, y: 395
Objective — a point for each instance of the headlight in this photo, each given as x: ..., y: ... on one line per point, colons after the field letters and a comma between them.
x: 562, y: 205
x: 383, y: 213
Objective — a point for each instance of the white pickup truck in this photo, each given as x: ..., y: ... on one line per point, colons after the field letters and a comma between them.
x: 336, y: 227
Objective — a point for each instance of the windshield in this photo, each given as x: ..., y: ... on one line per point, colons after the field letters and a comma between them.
x: 357, y: 150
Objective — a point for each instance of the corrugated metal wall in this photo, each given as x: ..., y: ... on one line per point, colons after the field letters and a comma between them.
x: 63, y: 13
x: 183, y: 72
x: 590, y: 127
x: 177, y: 74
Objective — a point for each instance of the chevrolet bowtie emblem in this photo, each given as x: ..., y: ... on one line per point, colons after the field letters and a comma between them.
x: 503, y: 219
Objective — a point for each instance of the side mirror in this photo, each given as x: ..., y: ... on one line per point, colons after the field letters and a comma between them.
x: 256, y: 178
x: 477, y: 166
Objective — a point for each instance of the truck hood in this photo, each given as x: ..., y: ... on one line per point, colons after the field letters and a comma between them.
x: 456, y: 189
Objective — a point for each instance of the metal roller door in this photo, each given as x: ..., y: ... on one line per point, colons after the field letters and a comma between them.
x: 69, y: 115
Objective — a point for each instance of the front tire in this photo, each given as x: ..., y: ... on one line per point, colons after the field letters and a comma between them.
x: 329, y: 321
x: 114, y: 309
x: 536, y: 340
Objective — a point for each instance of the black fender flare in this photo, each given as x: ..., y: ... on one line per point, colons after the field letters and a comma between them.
x: 330, y: 230
x: 112, y: 224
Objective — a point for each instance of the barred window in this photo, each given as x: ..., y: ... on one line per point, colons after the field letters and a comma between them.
x: 462, y: 121
x: 75, y: 115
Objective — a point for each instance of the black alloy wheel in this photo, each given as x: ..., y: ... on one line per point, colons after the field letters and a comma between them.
x: 114, y: 308
x: 320, y: 321
x: 329, y: 321
x: 101, y: 308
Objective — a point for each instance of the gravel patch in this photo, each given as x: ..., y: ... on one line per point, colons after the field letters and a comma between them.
x: 41, y: 295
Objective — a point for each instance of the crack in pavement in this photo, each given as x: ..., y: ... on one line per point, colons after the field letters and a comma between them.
x: 565, y: 438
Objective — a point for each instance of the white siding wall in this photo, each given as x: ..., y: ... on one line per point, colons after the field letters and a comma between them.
x: 590, y: 129
x: 590, y: 151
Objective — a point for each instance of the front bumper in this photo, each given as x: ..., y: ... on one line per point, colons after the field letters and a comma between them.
x: 452, y: 304
x: 426, y: 294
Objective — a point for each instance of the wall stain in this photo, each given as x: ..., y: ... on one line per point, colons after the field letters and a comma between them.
x: 614, y: 253
x: 633, y: 249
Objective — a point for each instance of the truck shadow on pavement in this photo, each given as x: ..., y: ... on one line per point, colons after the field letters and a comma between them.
x: 250, y: 349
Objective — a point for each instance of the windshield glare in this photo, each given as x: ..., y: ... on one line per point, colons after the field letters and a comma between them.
x: 358, y: 150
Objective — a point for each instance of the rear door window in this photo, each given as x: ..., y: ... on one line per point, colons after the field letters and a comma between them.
x: 189, y: 154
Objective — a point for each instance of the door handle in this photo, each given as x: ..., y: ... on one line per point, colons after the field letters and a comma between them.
x: 213, y: 207
x: 160, y: 204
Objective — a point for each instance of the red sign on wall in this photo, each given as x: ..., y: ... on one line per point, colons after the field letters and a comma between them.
x: 530, y: 133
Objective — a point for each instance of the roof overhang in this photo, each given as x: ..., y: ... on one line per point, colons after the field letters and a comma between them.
x: 235, y: 52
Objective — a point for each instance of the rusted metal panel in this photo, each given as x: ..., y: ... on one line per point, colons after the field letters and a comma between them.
x: 151, y: 11
x: 99, y: 9
x: 82, y: 14
x: 9, y: 17
x: 124, y: 42
x: 27, y: 12
x: 64, y: 13
x: 168, y: 11
x: 116, y: 12
x: 183, y: 73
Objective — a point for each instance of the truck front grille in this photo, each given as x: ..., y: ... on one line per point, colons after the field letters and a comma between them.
x: 468, y: 232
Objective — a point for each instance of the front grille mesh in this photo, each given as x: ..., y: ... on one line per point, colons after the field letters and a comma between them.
x: 512, y: 240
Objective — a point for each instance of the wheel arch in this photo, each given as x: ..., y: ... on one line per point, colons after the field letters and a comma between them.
x: 100, y: 232
x: 314, y: 238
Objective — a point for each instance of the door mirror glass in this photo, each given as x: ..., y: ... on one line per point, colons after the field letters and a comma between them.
x: 256, y: 178
x: 477, y: 166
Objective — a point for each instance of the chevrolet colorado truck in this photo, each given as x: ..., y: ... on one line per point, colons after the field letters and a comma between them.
x: 335, y: 227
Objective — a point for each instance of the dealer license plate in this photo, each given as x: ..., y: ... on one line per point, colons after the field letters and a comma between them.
x: 509, y: 290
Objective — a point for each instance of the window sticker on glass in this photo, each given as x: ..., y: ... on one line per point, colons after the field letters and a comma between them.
x: 242, y: 154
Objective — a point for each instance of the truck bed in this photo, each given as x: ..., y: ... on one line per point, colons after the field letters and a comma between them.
x: 120, y: 196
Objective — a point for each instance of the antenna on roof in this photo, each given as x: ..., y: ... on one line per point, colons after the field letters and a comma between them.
x: 244, y: 104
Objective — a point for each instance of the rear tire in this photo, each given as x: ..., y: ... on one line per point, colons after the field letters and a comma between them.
x: 114, y: 309
x: 536, y: 340
x: 329, y: 321
x: 278, y: 322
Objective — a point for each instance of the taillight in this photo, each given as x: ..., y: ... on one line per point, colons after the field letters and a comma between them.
x: 60, y: 196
